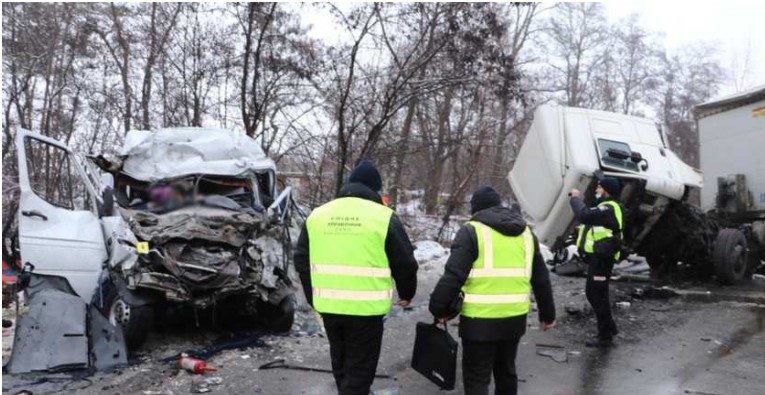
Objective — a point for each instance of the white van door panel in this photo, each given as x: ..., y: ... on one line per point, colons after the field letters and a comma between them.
x: 59, y: 229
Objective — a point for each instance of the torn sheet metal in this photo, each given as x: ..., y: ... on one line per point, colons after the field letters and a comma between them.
x: 108, y: 349
x: 52, y: 336
x: 59, y: 332
x: 176, y: 152
x: 206, y: 223
x: 203, y: 267
x: 121, y: 243
x: 271, y: 253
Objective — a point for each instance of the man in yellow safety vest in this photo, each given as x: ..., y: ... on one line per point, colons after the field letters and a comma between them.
x: 348, y: 255
x: 495, y: 262
x: 599, y: 243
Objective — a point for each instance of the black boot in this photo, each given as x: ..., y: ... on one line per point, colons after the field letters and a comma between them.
x: 599, y: 342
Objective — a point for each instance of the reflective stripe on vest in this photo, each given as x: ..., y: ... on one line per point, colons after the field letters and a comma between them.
x: 597, y: 233
x: 498, y: 284
x: 349, y: 267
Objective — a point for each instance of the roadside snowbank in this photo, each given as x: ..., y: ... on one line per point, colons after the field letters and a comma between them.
x: 426, y: 250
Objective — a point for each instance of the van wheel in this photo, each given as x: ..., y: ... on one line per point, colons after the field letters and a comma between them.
x: 278, y: 318
x: 136, y: 321
x: 730, y: 256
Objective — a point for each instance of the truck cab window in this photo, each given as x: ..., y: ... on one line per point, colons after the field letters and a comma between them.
x: 614, y: 153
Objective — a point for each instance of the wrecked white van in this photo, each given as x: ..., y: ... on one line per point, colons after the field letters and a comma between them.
x: 182, y: 216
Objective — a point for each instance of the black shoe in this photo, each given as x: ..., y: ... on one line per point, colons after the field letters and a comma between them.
x: 599, y: 342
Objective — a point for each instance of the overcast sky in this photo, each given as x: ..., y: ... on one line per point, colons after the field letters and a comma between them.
x: 736, y: 27
x: 733, y: 25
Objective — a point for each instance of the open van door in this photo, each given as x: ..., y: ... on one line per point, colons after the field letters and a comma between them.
x: 59, y: 228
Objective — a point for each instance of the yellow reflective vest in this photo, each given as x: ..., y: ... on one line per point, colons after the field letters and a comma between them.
x: 350, y: 274
x: 499, y: 282
x: 597, y: 233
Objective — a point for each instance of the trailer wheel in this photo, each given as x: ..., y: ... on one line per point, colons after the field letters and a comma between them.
x: 730, y: 256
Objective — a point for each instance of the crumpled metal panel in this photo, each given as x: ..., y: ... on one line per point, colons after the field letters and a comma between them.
x: 60, y: 332
x: 108, y: 348
x: 205, y: 223
x: 272, y: 256
x: 52, y: 336
x: 171, y: 153
x: 121, y: 243
x: 204, y: 267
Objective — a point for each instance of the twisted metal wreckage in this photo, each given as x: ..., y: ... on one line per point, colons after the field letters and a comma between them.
x: 198, y: 222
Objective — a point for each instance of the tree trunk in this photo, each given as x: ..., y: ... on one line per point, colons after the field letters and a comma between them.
x: 147, y: 73
x: 402, y: 151
x: 498, y: 163
x: 433, y: 185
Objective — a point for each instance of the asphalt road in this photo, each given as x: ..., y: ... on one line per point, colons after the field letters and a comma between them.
x: 666, y: 346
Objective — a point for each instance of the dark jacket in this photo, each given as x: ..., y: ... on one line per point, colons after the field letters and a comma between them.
x: 602, y: 215
x: 464, y: 253
x: 398, y: 248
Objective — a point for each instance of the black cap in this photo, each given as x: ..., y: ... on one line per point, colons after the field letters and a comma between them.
x: 483, y: 198
x: 366, y: 173
x: 611, y: 185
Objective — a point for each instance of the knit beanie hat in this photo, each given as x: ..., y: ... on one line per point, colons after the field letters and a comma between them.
x: 366, y: 173
x: 483, y: 198
x: 611, y: 185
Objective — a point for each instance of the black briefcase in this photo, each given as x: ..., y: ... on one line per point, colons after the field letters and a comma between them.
x: 435, y: 355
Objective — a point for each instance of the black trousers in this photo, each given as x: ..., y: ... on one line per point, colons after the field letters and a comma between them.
x: 354, y: 347
x: 481, y: 359
x: 598, y: 280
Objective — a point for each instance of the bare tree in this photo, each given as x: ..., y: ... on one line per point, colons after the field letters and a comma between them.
x: 690, y: 76
x: 118, y: 43
x: 161, y: 23
x: 578, y: 32
x: 742, y: 65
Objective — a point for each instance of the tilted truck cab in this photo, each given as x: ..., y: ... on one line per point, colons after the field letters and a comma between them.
x: 569, y: 148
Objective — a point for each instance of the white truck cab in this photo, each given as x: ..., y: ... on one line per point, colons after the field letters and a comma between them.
x: 566, y: 146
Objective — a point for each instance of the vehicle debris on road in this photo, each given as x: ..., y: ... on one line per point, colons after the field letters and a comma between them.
x: 204, y: 386
x: 59, y: 331
x: 555, y: 352
x: 194, y: 365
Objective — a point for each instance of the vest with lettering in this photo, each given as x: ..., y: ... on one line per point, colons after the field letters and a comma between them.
x: 350, y: 274
x: 499, y: 282
x: 587, y: 239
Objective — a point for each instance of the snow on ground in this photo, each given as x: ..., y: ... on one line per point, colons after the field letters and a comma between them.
x: 547, y: 255
x: 427, y: 227
x: 432, y: 258
x: 426, y: 250
x: 411, y: 207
